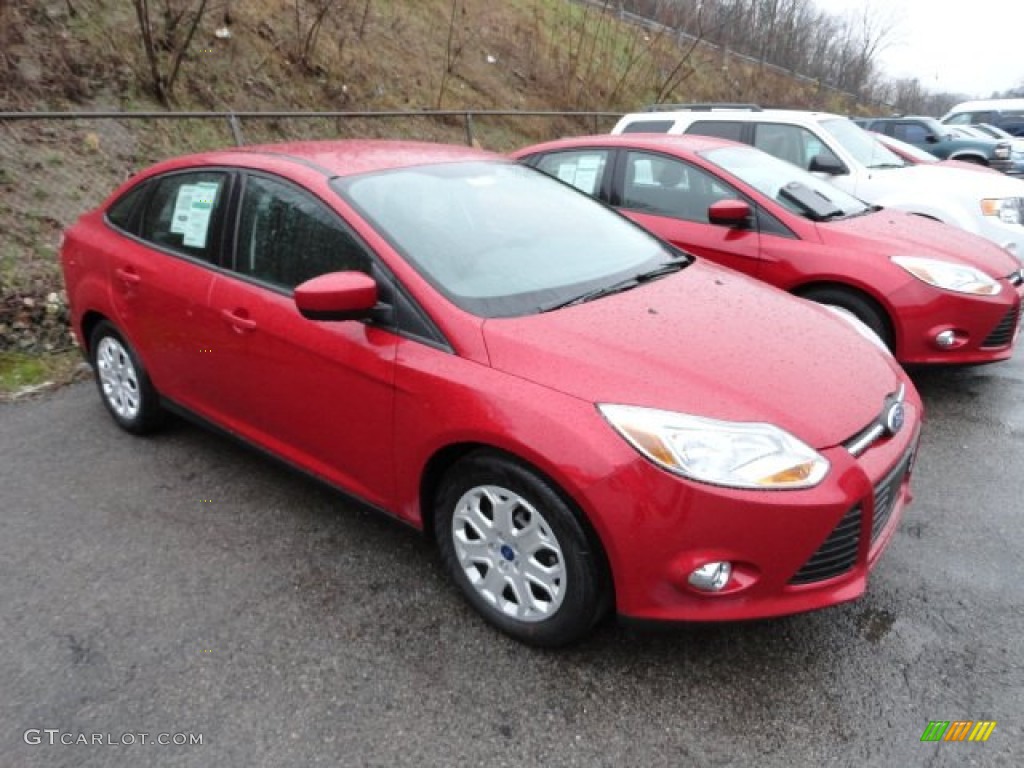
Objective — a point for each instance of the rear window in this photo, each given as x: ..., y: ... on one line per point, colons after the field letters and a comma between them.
x: 648, y: 126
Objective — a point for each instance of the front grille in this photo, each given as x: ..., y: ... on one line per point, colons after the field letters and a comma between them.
x: 1003, y: 333
x: 886, y: 493
x: 836, y: 555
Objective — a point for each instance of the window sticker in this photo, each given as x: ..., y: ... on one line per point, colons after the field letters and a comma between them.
x: 567, y: 172
x: 643, y: 173
x: 200, y: 208
x: 179, y: 220
x: 586, y: 172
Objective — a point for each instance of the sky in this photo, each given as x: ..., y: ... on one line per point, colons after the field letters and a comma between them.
x: 973, y: 48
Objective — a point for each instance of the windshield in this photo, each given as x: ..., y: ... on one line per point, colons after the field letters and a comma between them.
x: 501, y: 239
x: 864, y: 147
x: 811, y: 197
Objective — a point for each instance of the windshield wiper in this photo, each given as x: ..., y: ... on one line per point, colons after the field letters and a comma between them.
x: 667, y: 268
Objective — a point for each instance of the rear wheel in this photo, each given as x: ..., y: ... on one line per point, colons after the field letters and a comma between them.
x: 860, y: 306
x: 124, y: 386
x: 517, y: 551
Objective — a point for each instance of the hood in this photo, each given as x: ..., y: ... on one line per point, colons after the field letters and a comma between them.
x: 936, y: 178
x: 890, y: 232
x: 710, y: 342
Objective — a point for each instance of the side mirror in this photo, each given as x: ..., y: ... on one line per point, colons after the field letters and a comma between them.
x: 337, y: 296
x: 822, y: 163
x: 933, y: 138
x: 730, y: 213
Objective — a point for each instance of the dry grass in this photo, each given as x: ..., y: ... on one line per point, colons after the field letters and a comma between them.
x: 366, y: 55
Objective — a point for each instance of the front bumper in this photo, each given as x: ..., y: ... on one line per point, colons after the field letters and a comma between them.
x: 779, y: 542
x: 984, y: 328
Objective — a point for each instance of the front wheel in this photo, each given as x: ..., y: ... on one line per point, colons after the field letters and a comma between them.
x: 861, y: 307
x: 124, y: 386
x: 517, y: 551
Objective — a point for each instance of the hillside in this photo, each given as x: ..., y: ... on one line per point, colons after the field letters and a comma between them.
x: 351, y: 55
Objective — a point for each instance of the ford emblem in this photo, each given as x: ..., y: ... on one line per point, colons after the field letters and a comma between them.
x: 894, y: 418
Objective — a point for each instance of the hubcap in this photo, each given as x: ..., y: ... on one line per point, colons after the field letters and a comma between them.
x: 118, y: 378
x: 508, y: 553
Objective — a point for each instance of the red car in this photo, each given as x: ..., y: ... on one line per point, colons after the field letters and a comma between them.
x: 583, y: 417
x: 933, y: 293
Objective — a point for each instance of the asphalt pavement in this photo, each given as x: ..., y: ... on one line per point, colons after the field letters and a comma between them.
x: 183, y: 588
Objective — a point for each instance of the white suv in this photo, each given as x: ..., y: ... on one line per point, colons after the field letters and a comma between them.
x: 832, y: 146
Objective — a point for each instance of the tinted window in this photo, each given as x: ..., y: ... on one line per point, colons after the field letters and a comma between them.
x: 582, y: 168
x: 782, y: 141
x: 648, y: 126
x: 286, y: 236
x: 720, y: 128
x: 122, y: 213
x: 665, y: 186
x: 914, y: 133
x: 184, y: 211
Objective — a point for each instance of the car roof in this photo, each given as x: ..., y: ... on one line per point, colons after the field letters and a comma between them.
x: 788, y: 115
x: 651, y: 141
x: 341, y: 157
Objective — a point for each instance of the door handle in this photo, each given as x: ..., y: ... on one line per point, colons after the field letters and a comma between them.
x: 240, y: 322
x: 127, y: 276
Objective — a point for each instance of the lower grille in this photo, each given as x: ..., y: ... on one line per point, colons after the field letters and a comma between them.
x: 836, y: 555
x: 1003, y: 333
x: 886, y: 493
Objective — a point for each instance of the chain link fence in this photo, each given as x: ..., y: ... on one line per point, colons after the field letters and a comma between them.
x: 56, y: 166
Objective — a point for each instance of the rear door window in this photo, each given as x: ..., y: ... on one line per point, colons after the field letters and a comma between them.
x: 648, y: 126
x: 723, y: 129
x: 582, y: 169
x: 185, y: 212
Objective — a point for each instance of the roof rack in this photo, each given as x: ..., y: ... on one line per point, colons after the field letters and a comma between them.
x: 703, y: 107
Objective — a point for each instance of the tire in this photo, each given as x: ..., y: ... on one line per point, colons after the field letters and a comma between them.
x: 124, y: 386
x: 865, y: 310
x: 518, y: 552
x: 973, y: 159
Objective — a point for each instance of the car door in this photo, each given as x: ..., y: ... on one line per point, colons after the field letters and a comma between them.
x: 670, y: 197
x: 161, y: 277
x: 319, y: 394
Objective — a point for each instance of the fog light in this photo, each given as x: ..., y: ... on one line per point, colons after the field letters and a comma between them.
x: 711, y: 577
x: 946, y: 339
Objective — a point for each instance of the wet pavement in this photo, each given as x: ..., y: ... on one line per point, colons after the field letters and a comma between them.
x: 185, y: 586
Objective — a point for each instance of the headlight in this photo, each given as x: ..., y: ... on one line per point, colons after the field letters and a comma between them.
x: 1008, y: 209
x: 733, y: 454
x: 949, y: 276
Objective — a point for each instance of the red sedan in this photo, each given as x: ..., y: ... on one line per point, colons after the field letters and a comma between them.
x: 584, y: 418
x: 933, y: 293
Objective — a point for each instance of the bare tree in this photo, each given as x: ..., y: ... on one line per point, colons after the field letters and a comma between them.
x: 164, y: 67
x: 452, y: 51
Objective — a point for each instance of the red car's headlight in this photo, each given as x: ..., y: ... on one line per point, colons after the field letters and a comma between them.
x: 731, y: 454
